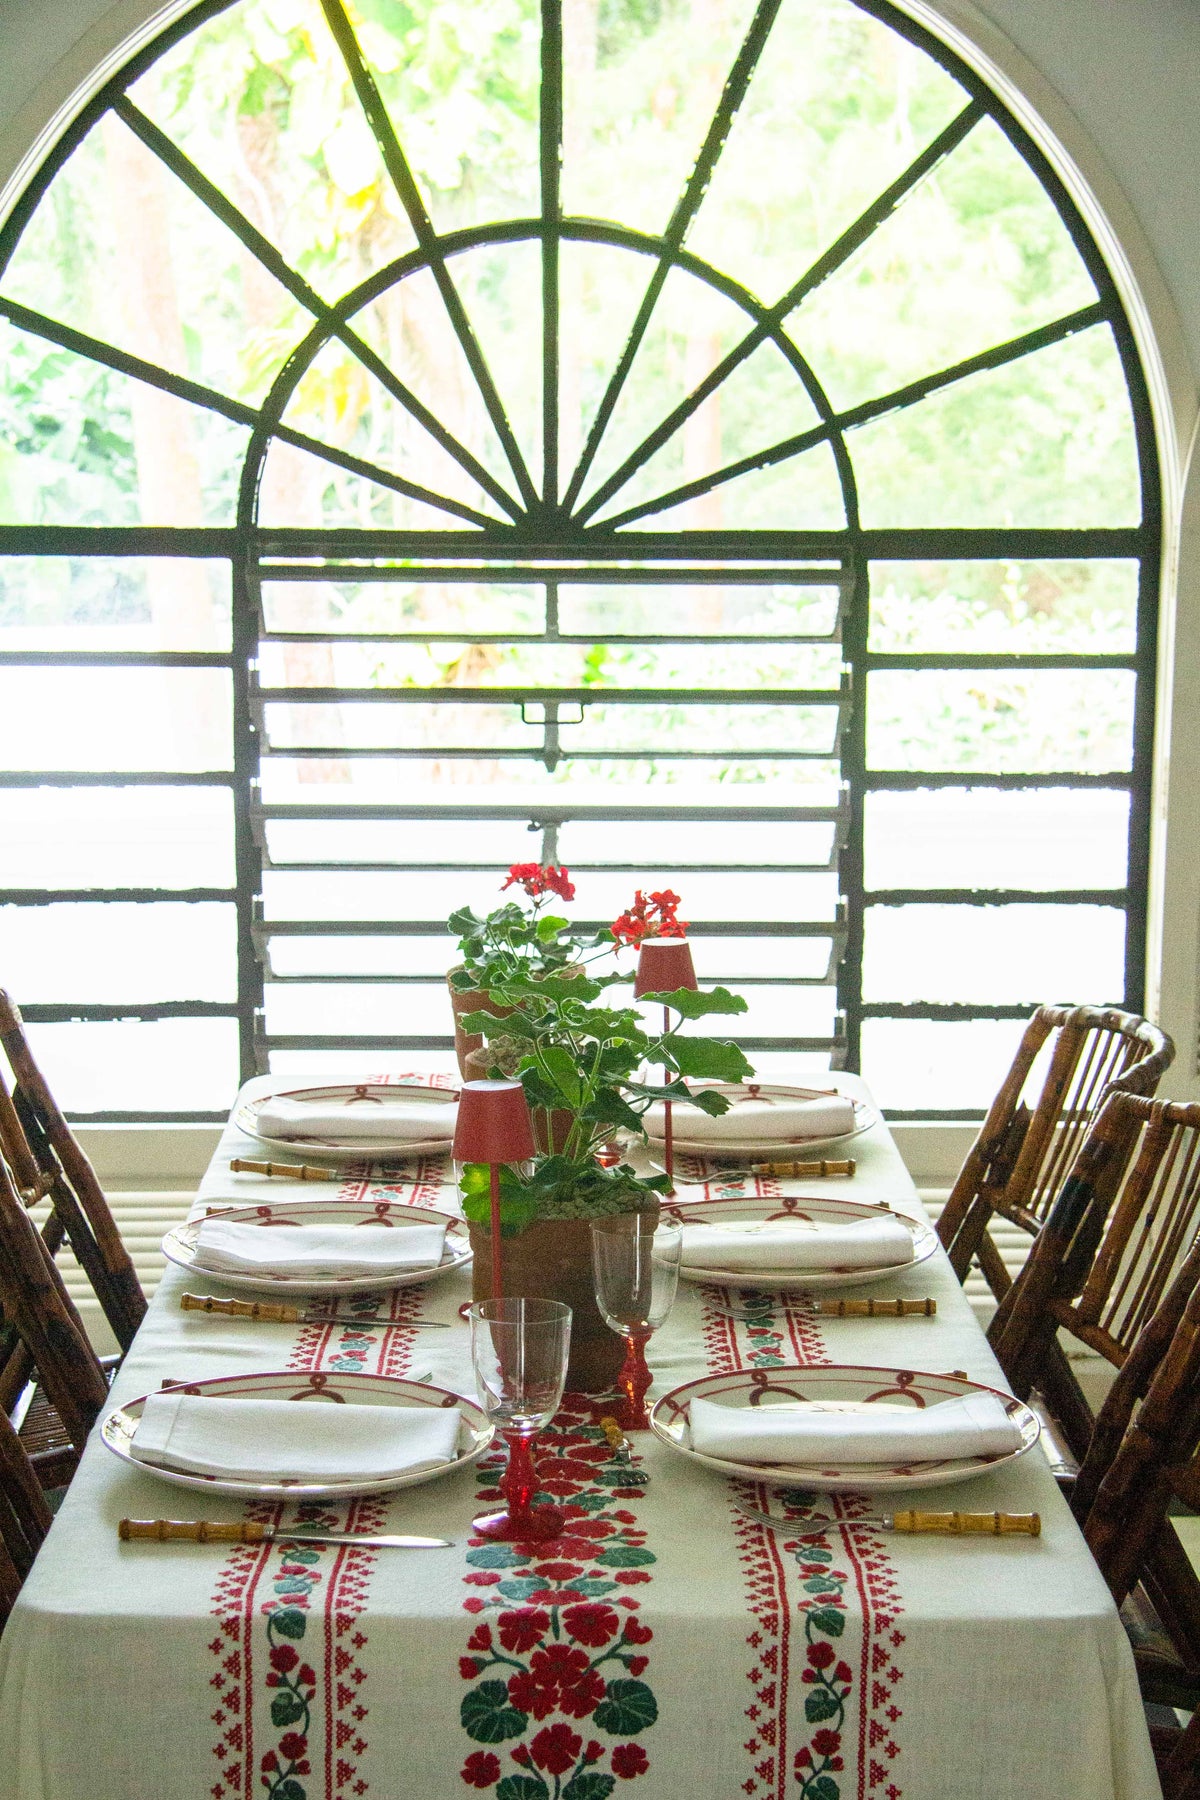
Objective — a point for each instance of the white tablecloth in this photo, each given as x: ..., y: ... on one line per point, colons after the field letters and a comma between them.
x: 665, y: 1649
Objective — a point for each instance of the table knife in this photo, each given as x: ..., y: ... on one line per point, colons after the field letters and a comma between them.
x: 941, y: 1524
x: 209, y: 1531
x: 844, y: 1309
x: 277, y: 1312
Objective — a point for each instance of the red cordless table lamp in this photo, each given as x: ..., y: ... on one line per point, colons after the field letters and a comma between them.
x: 493, y: 1127
x: 664, y: 966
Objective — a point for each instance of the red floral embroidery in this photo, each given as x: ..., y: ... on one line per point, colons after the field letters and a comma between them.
x: 481, y: 1769
x: 629, y: 1760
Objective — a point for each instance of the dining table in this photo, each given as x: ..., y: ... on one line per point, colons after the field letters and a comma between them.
x: 667, y: 1646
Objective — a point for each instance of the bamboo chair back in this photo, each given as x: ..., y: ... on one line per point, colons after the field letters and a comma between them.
x: 47, y: 1162
x: 41, y: 1332
x: 1125, y: 1222
x: 1026, y: 1148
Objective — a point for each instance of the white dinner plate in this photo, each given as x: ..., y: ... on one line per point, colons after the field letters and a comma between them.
x: 359, y: 1094
x: 856, y: 1384
x: 316, y: 1387
x: 816, y: 1210
x: 179, y: 1244
x: 773, y: 1149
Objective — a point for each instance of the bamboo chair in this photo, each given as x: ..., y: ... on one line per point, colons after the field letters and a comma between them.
x: 47, y: 1162
x: 1023, y: 1153
x: 24, y: 1516
x: 42, y: 1335
x: 1145, y: 1454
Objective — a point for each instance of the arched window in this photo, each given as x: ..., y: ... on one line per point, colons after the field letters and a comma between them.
x: 703, y: 434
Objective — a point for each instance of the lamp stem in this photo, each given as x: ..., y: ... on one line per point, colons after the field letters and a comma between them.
x: 668, y: 1120
x: 497, y: 1283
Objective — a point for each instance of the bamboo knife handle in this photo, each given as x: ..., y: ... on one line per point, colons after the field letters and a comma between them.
x: 962, y: 1524
x: 806, y: 1171
x: 876, y: 1309
x: 195, y: 1531
x: 289, y: 1171
x: 275, y: 1312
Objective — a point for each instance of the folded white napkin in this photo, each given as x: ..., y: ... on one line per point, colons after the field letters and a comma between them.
x: 380, y: 1120
x: 814, y: 1432
x: 240, y: 1248
x: 779, y: 1120
x: 796, y: 1244
x: 292, y: 1440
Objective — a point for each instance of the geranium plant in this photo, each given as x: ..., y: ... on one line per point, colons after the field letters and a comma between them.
x: 512, y: 941
x: 582, y: 1058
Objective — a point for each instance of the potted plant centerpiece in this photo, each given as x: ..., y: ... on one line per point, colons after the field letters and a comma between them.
x: 510, y: 943
x: 583, y: 1052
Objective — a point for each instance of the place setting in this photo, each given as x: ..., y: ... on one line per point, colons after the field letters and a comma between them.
x: 347, y: 1121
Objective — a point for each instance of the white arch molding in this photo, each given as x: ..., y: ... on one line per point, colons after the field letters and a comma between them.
x: 60, y: 53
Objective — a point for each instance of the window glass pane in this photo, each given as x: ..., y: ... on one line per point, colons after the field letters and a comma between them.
x: 1031, y: 720
x: 976, y: 256
x: 116, y: 837
x: 993, y: 954
x: 650, y: 782
x: 309, y: 1068
x: 101, y: 603
x: 82, y: 445
x: 115, y: 952
x: 549, y: 665
x: 974, y: 837
x: 681, y: 846
x: 1004, y: 607
x: 170, y: 1066
x: 724, y: 959
x: 736, y: 609
x: 918, y: 1065
x: 394, y: 605
x: 1044, y: 441
x: 115, y: 719
x: 838, y: 95
x: 803, y: 493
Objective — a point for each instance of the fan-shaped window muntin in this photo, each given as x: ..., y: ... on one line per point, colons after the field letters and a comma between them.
x: 609, y: 499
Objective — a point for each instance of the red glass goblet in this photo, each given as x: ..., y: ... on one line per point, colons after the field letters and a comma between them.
x: 520, y: 1350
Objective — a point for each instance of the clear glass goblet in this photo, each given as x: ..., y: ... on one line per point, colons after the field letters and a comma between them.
x: 635, y: 1267
x: 519, y: 1348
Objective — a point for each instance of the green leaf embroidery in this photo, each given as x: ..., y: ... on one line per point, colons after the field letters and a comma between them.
x: 487, y: 1715
x: 290, y: 1622
x: 829, y: 1620
x: 288, y: 1790
x: 620, y: 1557
x: 822, y: 1787
x: 522, y: 1787
x: 589, y: 1784
x: 286, y: 1708
x: 821, y: 1704
x: 627, y: 1707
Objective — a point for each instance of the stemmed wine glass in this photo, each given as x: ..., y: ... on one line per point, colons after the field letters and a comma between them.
x: 519, y: 1348
x: 635, y: 1265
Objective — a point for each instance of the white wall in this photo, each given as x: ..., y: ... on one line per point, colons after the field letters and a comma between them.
x: 1110, y: 87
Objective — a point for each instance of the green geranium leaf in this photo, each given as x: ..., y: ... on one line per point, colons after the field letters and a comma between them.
x: 609, y: 1109
x: 487, y: 1715
x: 559, y: 1065
x: 286, y: 1708
x: 522, y: 1787
x: 699, y: 1003
x: 627, y: 1708
x: 589, y: 1784
x: 708, y: 1058
x: 829, y: 1620
x: 548, y: 928
x: 819, y: 1705
x: 709, y: 1102
x: 290, y: 1622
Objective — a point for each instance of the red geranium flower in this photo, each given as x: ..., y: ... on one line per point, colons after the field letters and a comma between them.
x: 538, y: 879
x: 592, y: 1624
x: 481, y: 1769
x: 555, y: 1748
x: 629, y: 1760
x: 520, y: 1631
x: 636, y: 1633
x: 649, y: 916
x: 559, y: 1678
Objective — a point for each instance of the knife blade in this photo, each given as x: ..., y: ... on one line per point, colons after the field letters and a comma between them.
x: 212, y: 1531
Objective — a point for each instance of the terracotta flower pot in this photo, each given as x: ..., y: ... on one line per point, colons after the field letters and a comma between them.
x: 552, y: 1260
x: 469, y: 1000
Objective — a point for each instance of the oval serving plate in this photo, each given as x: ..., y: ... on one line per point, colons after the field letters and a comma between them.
x: 855, y: 1384
x: 775, y: 1149
x: 245, y: 1117
x: 318, y: 1387
x: 815, y: 1209
x: 179, y: 1244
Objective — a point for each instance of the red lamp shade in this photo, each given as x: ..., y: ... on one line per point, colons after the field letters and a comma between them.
x: 664, y: 964
x: 493, y: 1123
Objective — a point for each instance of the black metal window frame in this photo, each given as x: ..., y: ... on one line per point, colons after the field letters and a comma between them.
x: 550, y: 534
